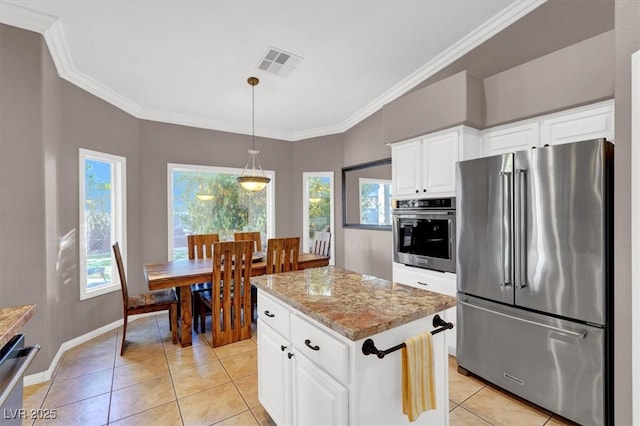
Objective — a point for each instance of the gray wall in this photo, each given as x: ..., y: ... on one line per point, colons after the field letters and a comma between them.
x: 42, y: 128
x: 627, y: 41
x: 365, y: 250
x: 162, y: 143
x: 321, y: 154
x: 576, y: 75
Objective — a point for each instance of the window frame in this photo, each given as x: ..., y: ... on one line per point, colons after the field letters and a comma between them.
x: 305, y: 211
x: 271, y: 220
x: 118, y: 219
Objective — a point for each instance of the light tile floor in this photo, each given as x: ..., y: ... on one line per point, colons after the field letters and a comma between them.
x: 158, y: 383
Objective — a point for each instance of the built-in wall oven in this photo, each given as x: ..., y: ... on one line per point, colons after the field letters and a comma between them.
x: 424, y: 233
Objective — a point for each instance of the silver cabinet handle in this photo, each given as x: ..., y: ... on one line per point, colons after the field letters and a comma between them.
x: 578, y: 334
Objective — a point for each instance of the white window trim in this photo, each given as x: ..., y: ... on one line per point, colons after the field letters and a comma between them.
x: 119, y: 228
x: 305, y: 211
x: 171, y: 167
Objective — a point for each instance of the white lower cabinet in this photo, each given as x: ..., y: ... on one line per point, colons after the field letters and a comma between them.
x: 439, y: 282
x: 318, y: 399
x: 274, y: 384
x: 310, y: 375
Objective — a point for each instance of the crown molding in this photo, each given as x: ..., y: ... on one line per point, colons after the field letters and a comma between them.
x: 506, y: 17
x: 18, y: 16
x: 52, y: 30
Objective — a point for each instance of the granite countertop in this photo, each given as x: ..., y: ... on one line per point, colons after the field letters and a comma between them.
x: 354, y: 305
x: 12, y: 319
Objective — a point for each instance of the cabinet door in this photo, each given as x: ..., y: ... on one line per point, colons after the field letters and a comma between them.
x: 588, y: 123
x: 318, y: 398
x: 439, y: 156
x: 405, y: 167
x: 274, y: 373
x: 504, y: 139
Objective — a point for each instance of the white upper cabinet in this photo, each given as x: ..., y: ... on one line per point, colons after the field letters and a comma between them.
x: 405, y: 167
x: 577, y: 124
x: 425, y: 166
x: 509, y: 138
x: 591, y: 122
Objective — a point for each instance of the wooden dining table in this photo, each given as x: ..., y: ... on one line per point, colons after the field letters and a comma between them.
x: 183, y: 273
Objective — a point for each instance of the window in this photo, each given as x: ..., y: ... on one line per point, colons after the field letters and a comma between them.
x: 375, y: 201
x: 317, y: 208
x: 102, y: 182
x: 209, y: 200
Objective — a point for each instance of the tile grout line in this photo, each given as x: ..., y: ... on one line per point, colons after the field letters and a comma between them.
x: 173, y: 385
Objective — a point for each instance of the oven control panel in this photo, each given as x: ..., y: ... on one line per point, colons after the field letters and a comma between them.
x: 430, y: 203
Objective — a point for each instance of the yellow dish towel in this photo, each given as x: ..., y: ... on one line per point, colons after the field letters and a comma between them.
x: 418, y: 388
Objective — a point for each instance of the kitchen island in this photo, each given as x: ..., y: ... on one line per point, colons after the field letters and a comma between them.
x: 312, y: 326
x: 12, y: 319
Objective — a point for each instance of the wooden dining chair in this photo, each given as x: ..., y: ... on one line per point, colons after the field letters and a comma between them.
x: 282, y: 254
x: 249, y: 236
x: 200, y: 246
x: 322, y: 243
x: 146, y: 302
x: 257, y: 239
x: 229, y: 301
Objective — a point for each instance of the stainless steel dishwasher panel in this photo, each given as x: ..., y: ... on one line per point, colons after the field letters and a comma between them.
x: 14, y: 360
x: 553, y: 363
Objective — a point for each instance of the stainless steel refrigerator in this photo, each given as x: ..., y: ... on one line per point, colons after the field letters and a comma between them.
x: 534, y: 275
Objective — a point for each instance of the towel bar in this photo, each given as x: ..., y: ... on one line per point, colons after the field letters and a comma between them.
x: 369, y: 348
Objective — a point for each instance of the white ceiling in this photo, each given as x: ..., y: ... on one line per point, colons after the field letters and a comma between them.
x: 187, y: 62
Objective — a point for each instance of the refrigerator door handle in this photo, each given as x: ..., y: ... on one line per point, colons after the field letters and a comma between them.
x: 520, y: 233
x: 506, y: 280
x: 577, y: 334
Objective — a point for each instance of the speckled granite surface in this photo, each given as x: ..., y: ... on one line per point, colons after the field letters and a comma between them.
x: 354, y: 305
x: 12, y: 319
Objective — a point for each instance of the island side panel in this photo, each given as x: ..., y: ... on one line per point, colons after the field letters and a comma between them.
x: 376, y: 384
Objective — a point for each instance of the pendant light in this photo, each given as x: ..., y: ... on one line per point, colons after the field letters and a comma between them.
x: 251, y: 181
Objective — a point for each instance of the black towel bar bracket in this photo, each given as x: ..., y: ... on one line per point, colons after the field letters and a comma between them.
x: 369, y: 348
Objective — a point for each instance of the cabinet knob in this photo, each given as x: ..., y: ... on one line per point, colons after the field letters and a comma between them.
x: 424, y: 190
x: 289, y: 355
x: 283, y: 347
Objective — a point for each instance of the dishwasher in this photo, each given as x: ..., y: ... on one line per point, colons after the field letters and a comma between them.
x: 14, y: 360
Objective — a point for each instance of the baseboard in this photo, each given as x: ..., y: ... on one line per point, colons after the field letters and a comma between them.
x: 45, y: 376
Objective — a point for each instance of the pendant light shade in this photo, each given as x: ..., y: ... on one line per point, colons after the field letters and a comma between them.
x: 253, y: 179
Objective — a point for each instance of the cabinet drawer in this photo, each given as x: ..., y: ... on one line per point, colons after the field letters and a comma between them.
x: 326, y: 351
x: 425, y: 279
x: 274, y: 313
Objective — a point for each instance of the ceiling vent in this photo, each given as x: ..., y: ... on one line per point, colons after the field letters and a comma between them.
x: 278, y: 62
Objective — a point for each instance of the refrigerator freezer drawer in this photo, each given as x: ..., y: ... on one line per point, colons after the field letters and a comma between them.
x: 556, y: 364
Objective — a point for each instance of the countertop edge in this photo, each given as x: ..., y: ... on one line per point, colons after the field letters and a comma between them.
x: 12, y: 319
x: 356, y: 335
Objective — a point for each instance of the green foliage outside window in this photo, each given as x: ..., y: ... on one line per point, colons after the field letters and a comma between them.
x: 319, y: 205
x: 223, y: 208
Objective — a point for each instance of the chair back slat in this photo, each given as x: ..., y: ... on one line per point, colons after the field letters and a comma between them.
x: 123, y: 279
x: 231, y: 300
x: 322, y: 243
x: 249, y: 236
x: 200, y: 246
x: 282, y: 254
